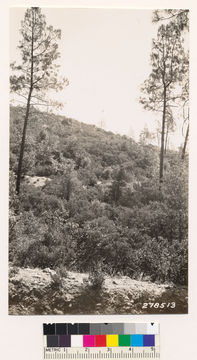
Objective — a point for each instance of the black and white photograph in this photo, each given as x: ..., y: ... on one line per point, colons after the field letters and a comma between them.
x: 98, y: 161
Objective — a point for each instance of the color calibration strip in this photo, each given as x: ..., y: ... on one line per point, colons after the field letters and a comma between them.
x: 99, y: 340
x: 100, y: 335
x: 101, y: 329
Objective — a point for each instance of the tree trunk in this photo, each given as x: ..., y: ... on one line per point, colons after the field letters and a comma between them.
x: 166, y: 140
x: 185, y: 143
x: 19, y: 171
x: 162, y: 139
x: 20, y: 162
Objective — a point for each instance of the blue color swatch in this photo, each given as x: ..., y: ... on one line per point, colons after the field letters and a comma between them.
x: 136, y: 340
x: 148, y: 340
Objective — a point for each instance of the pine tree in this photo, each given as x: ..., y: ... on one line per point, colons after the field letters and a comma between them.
x: 169, y: 64
x: 38, y: 71
x: 180, y: 17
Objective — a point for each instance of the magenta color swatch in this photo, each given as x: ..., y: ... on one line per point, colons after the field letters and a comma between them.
x: 88, y: 341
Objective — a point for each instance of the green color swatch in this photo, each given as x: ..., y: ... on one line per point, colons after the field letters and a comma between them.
x: 124, y: 340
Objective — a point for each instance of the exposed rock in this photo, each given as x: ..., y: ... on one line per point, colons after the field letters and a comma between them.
x: 37, y: 181
x: 36, y: 291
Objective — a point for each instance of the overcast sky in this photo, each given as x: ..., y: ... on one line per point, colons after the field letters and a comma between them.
x: 105, y: 56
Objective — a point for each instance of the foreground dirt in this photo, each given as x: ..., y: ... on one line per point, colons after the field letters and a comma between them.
x: 36, y: 291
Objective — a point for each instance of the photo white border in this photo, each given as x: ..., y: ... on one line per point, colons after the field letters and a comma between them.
x: 22, y: 335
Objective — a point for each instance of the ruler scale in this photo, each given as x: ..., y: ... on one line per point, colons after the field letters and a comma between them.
x: 135, y: 353
x: 101, y: 341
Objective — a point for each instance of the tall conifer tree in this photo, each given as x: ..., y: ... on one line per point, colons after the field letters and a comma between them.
x: 38, y: 71
x: 169, y: 64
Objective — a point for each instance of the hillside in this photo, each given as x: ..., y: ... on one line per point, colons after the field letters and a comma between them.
x: 90, y: 202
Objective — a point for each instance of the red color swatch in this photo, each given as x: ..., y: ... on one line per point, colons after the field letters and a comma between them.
x: 100, y: 340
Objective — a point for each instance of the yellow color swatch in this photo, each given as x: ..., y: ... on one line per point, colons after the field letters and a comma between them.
x: 112, y: 340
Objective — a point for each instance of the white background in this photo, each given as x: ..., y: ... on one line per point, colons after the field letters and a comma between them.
x: 21, y: 336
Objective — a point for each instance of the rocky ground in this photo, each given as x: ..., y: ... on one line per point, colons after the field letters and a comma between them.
x: 36, y: 291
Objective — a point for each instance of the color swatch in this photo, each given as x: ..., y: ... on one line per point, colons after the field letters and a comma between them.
x: 99, y: 340
x: 84, y: 335
x: 101, y: 328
